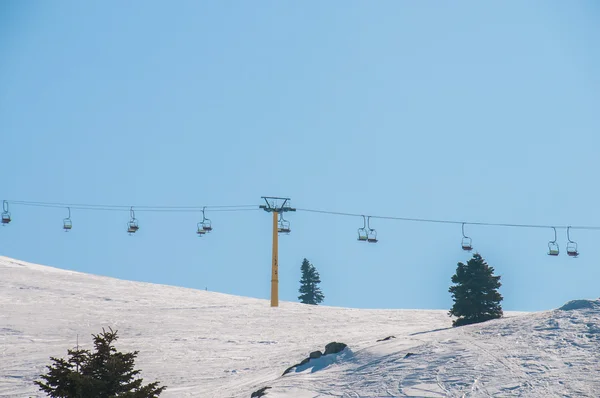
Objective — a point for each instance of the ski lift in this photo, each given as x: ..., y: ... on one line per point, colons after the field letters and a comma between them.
x: 284, y: 225
x: 571, y: 246
x: 553, y: 246
x: 206, y: 223
x: 363, y: 235
x: 204, y: 226
x: 5, y: 213
x: 372, y: 235
x: 67, y: 224
x: 132, y: 225
x: 466, y: 243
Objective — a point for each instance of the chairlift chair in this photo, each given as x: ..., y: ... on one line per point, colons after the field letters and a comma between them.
x: 201, y: 231
x: 571, y: 246
x: 206, y: 223
x: 572, y: 249
x: 363, y: 235
x: 5, y: 213
x: 284, y: 226
x: 5, y: 218
x: 372, y: 234
x: 553, y: 249
x: 132, y: 225
x: 466, y: 243
x: 67, y: 224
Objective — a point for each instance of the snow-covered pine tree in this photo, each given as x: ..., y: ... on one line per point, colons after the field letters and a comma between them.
x: 475, y: 294
x: 310, y: 292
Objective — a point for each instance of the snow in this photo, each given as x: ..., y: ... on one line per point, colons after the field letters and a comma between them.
x: 580, y: 305
x: 206, y: 344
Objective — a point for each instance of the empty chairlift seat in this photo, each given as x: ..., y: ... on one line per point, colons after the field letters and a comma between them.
x: 5, y: 213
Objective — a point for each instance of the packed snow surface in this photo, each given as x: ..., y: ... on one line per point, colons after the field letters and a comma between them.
x: 205, y: 344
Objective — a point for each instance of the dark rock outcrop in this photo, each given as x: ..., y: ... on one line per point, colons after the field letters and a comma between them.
x: 334, y: 348
x: 288, y: 370
x: 304, y: 362
x: 387, y: 338
x: 410, y: 354
x: 259, y: 393
x: 315, y: 354
x: 331, y: 348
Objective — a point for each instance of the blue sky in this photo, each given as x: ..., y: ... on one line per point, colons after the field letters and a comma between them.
x: 473, y: 111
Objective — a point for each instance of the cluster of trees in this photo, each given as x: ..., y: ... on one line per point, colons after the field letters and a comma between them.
x: 474, y: 291
x: 107, y: 373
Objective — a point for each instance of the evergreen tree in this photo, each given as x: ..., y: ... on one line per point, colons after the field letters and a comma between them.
x: 310, y: 293
x: 474, y: 293
x: 104, y: 373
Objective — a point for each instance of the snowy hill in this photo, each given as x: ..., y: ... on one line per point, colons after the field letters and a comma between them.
x: 205, y: 344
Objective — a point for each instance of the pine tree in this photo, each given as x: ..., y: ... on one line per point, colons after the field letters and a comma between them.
x: 475, y: 294
x: 310, y: 293
x: 105, y: 373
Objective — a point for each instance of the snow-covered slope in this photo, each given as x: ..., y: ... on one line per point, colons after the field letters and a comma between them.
x: 206, y: 344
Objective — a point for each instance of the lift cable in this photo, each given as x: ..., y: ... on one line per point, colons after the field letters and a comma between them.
x: 427, y: 220
x: 80, y: 206
x: 254, y: 207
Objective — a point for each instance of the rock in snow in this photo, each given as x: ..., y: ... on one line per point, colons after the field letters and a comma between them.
x: 259, y: 393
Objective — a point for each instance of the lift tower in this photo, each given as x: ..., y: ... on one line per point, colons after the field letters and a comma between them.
x: 273, y: 207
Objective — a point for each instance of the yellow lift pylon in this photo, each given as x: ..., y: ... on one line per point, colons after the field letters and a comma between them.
x: 272, y: 207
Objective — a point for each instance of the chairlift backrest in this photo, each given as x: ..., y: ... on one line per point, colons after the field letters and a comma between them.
x: 466, y: 244
x: 572, y: 249
x: 5, y: 213
x: 372, y: 236
x: 133, y: 226
x: 284, y: 225
x: 553, y: 249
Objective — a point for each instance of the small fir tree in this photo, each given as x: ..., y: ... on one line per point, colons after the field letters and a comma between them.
x: 475, y: 294
x: 104, y: 373
x: 310, y: 293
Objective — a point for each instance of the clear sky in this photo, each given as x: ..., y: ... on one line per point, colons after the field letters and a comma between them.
x: 470, y: 111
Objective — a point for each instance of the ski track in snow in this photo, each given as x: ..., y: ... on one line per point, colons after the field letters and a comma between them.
x: 205, y: 344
